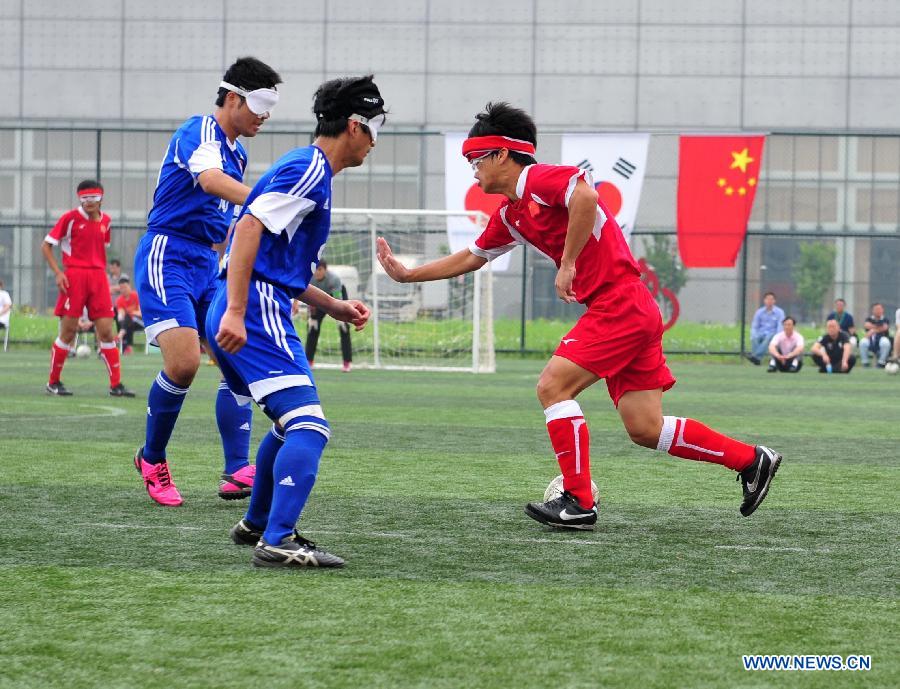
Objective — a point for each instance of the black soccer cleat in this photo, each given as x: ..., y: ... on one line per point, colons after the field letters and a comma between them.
x: 293, y: 551
x: 244, y: 533
x: 755, y: 479
x: 563, y: 512
x: 58, y: 389
x: 120, y: 391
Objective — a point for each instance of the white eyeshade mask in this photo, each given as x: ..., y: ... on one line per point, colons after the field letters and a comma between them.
x: 373, y: 123
x: 260, y: 101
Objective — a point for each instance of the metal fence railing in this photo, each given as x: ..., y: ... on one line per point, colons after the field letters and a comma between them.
x: 833, y: 189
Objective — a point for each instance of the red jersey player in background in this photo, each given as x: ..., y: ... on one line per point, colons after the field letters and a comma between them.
x: 83, y: 235
x: 555, y: 209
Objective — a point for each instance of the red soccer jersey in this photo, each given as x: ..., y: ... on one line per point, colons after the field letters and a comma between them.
x: 541, y: 218
x: 130, y: 304
x: 82, y: 241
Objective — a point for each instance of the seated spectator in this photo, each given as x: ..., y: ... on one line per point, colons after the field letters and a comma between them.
x: 766, y: 322
x: 114, y: 274
x: 128, y: 314
x: 844, y: 319
x: 832, y: 352
x: 786, y: 349
x: 878, y: 339
x: 5, y: 307
x: 85, y: 325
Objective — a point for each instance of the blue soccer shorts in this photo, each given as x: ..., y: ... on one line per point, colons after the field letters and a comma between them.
x: 176, y: 280
x: 273, y: 358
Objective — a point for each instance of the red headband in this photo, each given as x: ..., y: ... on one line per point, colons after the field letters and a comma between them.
x: 483, y: 144
x: 90, y: 192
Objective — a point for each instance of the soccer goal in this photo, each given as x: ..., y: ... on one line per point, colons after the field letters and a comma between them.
x: 446, y: 325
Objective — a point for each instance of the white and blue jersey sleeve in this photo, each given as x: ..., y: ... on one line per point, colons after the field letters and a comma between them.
x: 180, y: 206
x: 293, y: 201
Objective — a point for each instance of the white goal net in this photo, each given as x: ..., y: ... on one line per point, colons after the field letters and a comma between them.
x: 441, y: 325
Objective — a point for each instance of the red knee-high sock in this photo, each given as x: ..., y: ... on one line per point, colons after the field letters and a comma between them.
x: 571, y: 442
x: 690, y: 439
x: 110, y: 354
x: 59, y: 352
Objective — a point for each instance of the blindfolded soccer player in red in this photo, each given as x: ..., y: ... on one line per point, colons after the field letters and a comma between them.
x: 555, y: 209
x: 82, y: 235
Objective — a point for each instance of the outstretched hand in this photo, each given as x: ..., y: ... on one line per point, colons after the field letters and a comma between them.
x: 350, y: 311
x: 395, y: 270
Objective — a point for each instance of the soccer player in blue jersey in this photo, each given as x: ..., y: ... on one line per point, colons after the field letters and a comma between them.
x: 176, y: 263
x: 277, y: 242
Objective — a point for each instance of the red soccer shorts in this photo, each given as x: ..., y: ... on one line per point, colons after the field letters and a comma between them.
x: 87, y: 287
x: 619, y: 338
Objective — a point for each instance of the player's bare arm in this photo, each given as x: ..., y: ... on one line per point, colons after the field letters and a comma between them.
x: 216, y: 183
x: 463, y: 261
x: 232, y: 333
x: 350, y: 311
x: 582, y: 216
x: 62, y: 282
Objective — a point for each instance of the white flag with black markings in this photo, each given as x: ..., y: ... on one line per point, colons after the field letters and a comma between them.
x: 616, y: 163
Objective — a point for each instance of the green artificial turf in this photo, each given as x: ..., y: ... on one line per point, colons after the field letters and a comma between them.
x: 447, y: 583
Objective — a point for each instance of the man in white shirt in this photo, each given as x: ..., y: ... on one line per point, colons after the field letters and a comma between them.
x: 5, y: 306
x: 786, y: 349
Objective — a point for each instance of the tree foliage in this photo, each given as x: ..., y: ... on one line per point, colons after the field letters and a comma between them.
x: 814, y: 275
x: 662, y: 256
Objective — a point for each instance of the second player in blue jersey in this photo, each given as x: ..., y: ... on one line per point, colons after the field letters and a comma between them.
x: 273, y: 252
x: 176, y: 263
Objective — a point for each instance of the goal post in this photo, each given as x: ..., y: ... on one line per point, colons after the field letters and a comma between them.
x: 445, y: 325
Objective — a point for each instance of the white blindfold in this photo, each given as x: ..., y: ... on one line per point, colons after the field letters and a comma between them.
x: 259, y: 101
x: 373, y: 123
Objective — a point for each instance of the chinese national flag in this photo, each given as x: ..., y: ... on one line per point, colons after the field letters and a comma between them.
x: 717, y: 179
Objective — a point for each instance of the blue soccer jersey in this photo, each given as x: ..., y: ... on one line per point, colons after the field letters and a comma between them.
x: 180, y: 206
x: 293, y: 201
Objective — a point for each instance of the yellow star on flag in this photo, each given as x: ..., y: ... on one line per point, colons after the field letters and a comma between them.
x: 741, y: 160
x: 721, y: 182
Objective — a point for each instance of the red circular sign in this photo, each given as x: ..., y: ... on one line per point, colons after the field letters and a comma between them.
x: 477, y: 200
x: 610, y: 195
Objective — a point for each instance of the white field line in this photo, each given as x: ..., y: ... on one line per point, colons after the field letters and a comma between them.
x: 107, y: 411
x: 772, y: 549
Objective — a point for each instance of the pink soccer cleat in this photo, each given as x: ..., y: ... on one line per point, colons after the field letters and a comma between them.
x: 238, y: 485
x: 346, y: 367
x: 157, y: 481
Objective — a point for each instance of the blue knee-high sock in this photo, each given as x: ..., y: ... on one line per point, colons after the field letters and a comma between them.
x: 234, y: 422
x: 261, y: 497
x: 295, y: 472
x: 163, y: 405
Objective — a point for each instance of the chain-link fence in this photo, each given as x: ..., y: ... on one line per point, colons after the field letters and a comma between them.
x: 827, y: 211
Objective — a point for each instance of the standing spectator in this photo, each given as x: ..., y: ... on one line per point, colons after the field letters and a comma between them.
x: 5, y: 307
x: 114, y: 274
x: 330, y: 283
x: 877, y: 340
x: 766, y: 322
x: 786, y: 349
x: 128, y: 314
x: 832, y: 352
x: 844, y: 319
x: 83, y: 235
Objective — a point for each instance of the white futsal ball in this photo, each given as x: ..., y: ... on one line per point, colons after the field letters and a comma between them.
x: 83, y: 351
x: 555, y: 489
x: 892, y: 368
